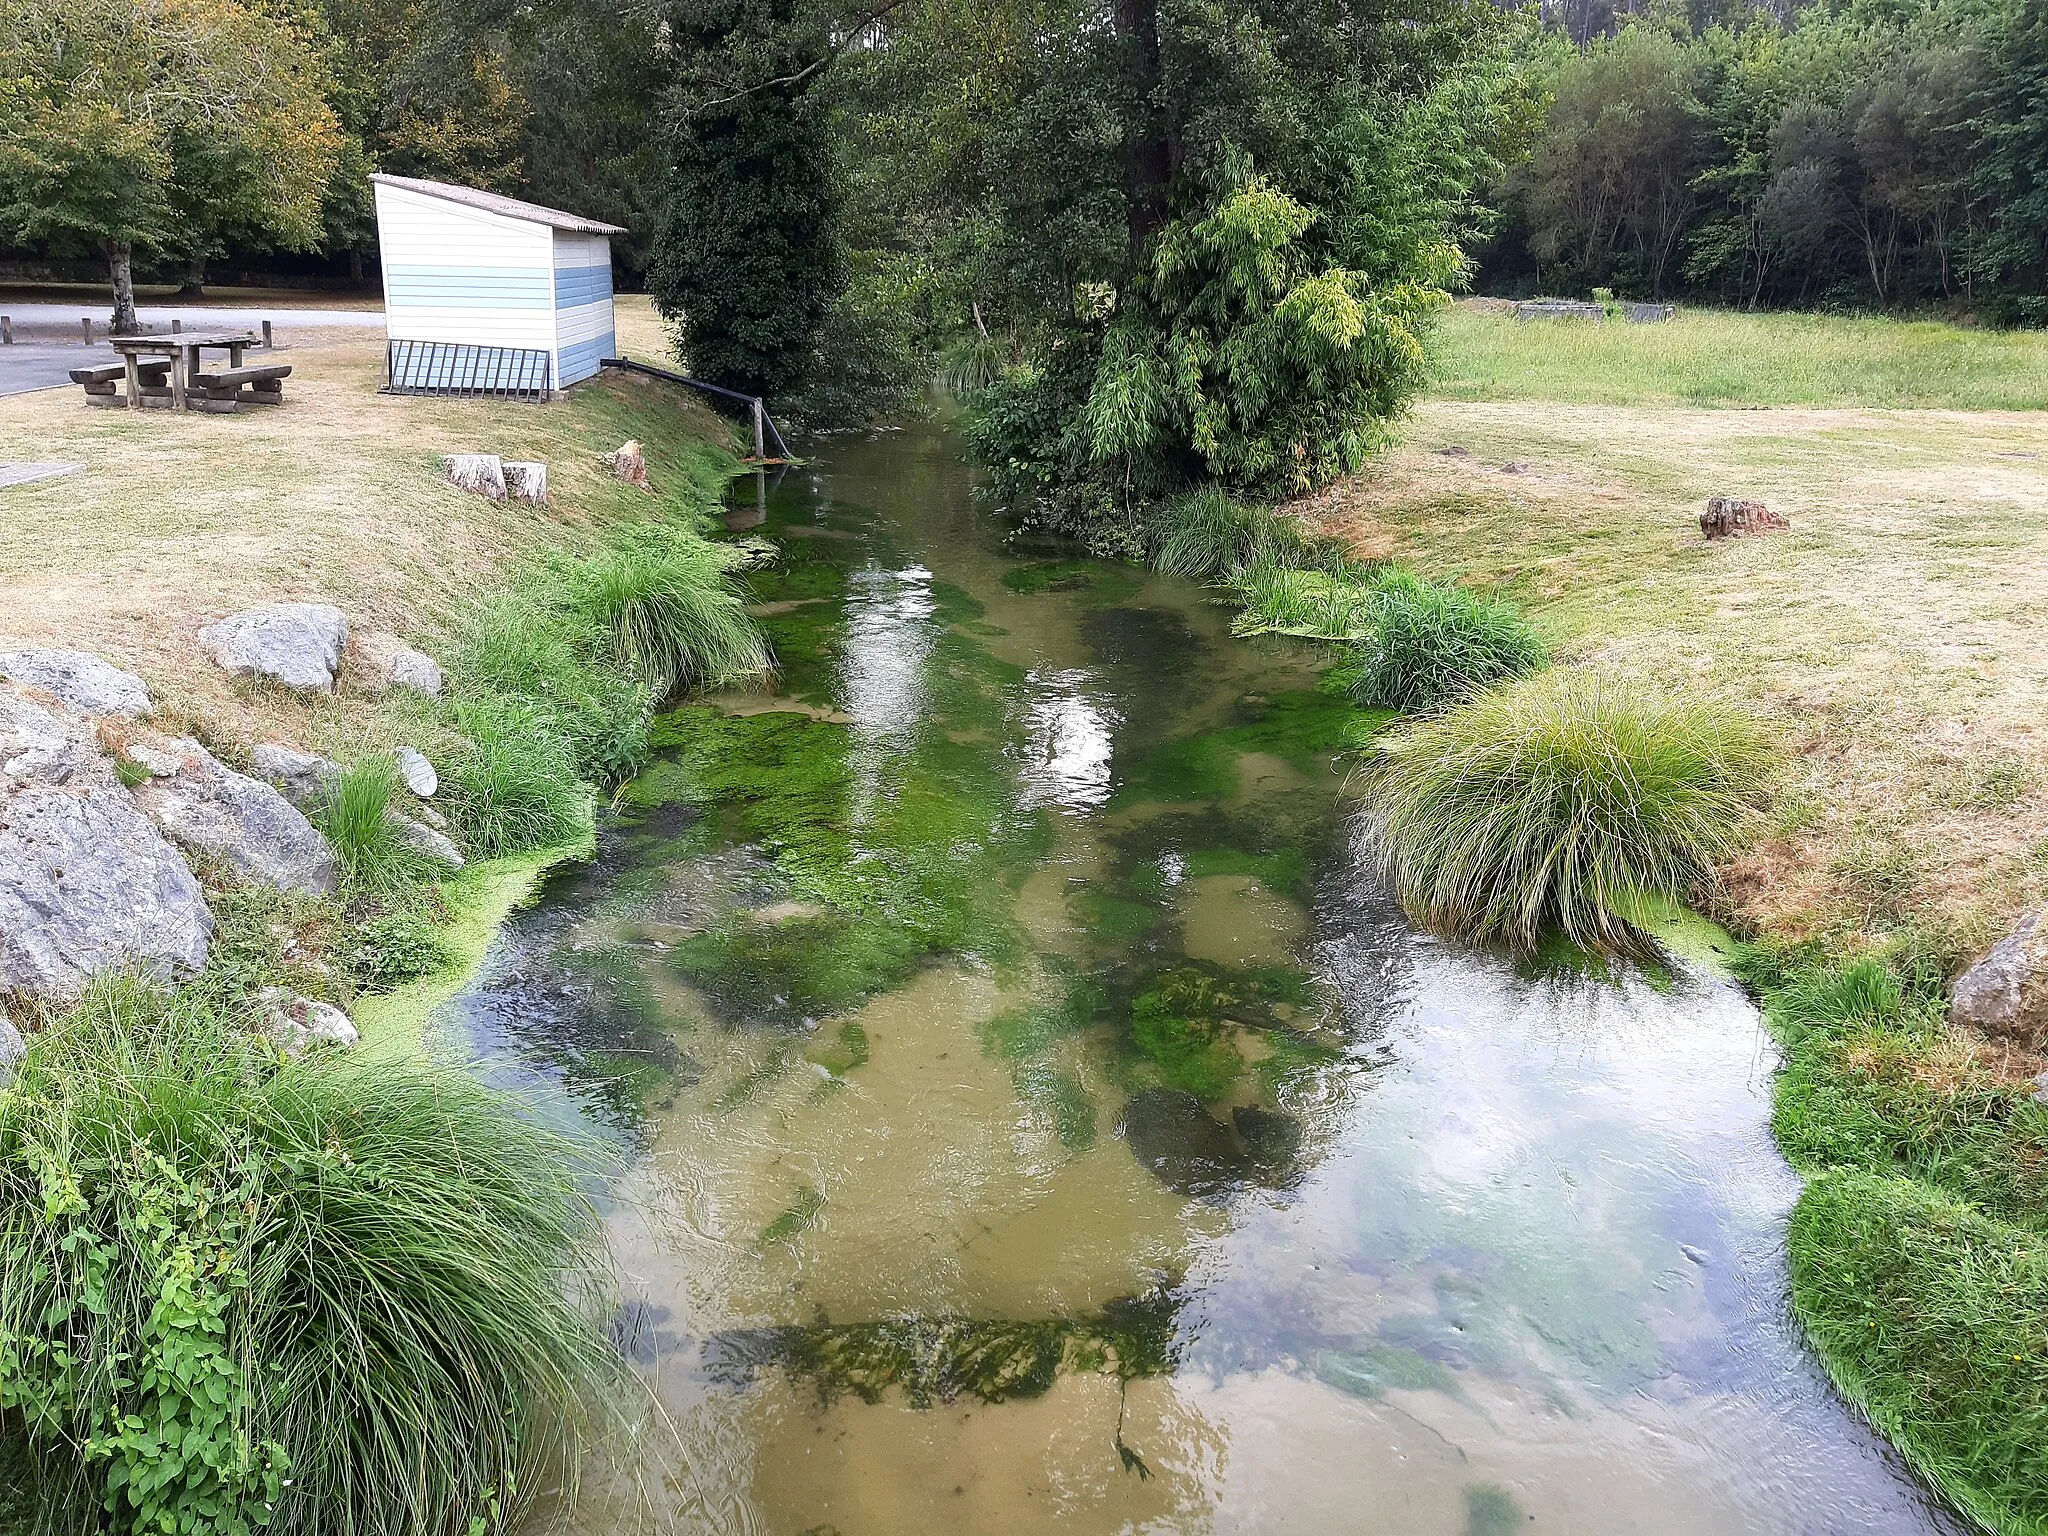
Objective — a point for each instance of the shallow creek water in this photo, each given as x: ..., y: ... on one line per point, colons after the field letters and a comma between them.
x: 1036, y: 1120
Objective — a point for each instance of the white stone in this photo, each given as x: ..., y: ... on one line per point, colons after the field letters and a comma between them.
x: 41, y: 744
x: 424, y: 840
x: 209, y: 808
x: 298, y: 1024
x: 298, y: 644
x: 80, y: 680
x: 161, y: 764
x: 417, y: 772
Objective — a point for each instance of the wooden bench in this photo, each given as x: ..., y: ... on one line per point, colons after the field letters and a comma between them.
x: 258, y: 384
x: 101, y: 380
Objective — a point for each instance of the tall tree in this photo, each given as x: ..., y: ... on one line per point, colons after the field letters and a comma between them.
x: 160, y: 125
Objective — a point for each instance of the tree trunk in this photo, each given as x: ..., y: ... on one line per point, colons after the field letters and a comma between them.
x: 120, y: 269
x: 1148, y: 151
x: 194, y: 286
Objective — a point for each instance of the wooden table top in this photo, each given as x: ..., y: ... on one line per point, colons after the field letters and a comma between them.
x: 179, y: 340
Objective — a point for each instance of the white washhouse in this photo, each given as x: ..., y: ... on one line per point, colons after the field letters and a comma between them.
x: 487, y: 294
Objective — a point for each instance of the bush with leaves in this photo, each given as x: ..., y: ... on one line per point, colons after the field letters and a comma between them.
x: 241, y: 1291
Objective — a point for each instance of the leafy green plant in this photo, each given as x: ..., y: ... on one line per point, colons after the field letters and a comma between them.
x: 393, y: 947
x: 1558, y: 802
x: 320, y: 1295
x: 1431, y: 645
x: 663, y: 596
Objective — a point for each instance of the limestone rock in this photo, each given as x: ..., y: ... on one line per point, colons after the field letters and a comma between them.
x: 1730, y: 517
x: 298, y: 644
x: 387, y: 662
x: 483, y: 473
x: 417, y: 772
x: 527, y: 479
x: 88, y: 885
x: 423, y: 839
x: 42, y: 744
x: 303, y: 776
x: 209, y: 808
x: 629, y: 463
x: 2006, y: 993
x: 82, y: 681
x: 159, y: 763
x: 431, y: 817
x: 299, y: 1023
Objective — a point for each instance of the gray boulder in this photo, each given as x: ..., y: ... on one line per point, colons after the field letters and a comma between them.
x: 42, y: 744
x: 2006, y: 993
x: 303, y: 776
x: 298, y: 1024
x: 424, y: 840
x: 82, y: 681
x: 88, y: 885
x: 298, y: 644
x: 417, y: 772
x: 387, y: 662
x: 209, y: 808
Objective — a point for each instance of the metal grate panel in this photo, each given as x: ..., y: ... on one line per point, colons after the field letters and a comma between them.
x: 457, y: 368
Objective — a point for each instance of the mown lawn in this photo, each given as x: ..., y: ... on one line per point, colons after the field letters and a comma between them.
x: 1707, y: 357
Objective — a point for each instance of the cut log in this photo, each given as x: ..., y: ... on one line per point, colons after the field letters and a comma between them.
x: 480, y: 472
x: 527, y: 479
x: 106, y: 373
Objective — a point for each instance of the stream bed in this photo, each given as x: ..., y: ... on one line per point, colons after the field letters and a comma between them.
x: 1035, y: 1118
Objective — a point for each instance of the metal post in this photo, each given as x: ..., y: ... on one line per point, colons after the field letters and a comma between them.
x: 177, y: 325
x: 266, y: 335
x: 85, y: 324
x: 6, y: 330
x: 760, y: 442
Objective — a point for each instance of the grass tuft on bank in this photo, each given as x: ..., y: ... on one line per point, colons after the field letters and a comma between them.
x: 317, y: 1295
x: 1558, y: 803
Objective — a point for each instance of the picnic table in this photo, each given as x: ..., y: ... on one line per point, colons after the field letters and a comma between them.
x: 222, y: 390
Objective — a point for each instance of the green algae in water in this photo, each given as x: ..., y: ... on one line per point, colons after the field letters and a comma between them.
x: 1309, y: 730
x: 1062, y: 1098
x: 805, y: 968
x: 846, y: 1050
x: 1186, y: 1023
x: 803, y: 1210
x: 1104, y: 583
x: 933, y: 1360
x: 1490, y: 1510
x: 1378, y: 1369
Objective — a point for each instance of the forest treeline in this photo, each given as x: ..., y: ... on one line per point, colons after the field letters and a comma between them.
x: 1873, y: 154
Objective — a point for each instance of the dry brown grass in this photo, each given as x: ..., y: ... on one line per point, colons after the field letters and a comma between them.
x: 1898, y: 633
x: 337, y: 496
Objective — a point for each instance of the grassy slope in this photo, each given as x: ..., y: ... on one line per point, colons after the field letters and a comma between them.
x: 1896, y: 635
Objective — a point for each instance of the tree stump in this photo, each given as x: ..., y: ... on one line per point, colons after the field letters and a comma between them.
x: 629, y: 464
x: 1730, y: 517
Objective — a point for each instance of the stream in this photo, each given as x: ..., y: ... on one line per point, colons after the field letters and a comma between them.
x: 1035, y: 1118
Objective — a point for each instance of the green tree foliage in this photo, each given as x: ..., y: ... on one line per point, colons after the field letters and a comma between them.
x: 169, y: 128
x: 747, y: 260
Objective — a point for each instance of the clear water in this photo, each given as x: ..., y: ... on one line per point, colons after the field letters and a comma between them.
x: 1166, y: 1178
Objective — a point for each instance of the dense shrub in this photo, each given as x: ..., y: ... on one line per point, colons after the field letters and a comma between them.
x: 1209, y: 535
x: 1557, y: 802
x: 323, y: 1295
x: 1431, y: 645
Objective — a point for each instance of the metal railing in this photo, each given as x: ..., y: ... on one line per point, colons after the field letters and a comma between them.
x: 758, y: 405
x: 458, y: 368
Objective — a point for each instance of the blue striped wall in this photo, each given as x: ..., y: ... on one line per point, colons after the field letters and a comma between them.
x: 580, y: 359
x: 470, y: 287
x: 577, y: 286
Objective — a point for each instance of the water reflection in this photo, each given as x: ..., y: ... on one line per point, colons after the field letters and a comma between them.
x: 1148, y: 1171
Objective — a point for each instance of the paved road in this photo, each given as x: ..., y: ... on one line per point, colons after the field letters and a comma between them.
x: 41, y: 358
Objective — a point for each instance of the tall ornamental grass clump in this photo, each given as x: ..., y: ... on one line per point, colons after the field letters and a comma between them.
x: 1557, y: 803
x: 354, y: 814
x: 1429, y: 645
x: 663, y: 597
x: 1310, y: 604
x: 1209, y: 535
x: 239, y: 1291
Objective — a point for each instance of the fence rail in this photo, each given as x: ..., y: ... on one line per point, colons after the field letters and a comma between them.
x: 458, y: 368
x: 758, y: 405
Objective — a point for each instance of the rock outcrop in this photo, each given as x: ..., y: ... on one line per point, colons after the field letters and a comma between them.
x: 209, y: 808
x: 428, y: 843
x: 386, y: 662
x: 2006, y: 993
x: 297, y: 644
x: 303, y: 776
x: 87, y: 884
x: 82, y: 681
